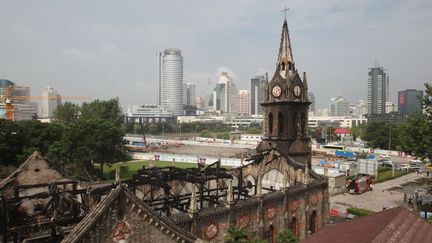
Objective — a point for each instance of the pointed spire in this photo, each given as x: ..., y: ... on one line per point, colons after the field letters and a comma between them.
x: 305, y: 83
x: 285, y: 58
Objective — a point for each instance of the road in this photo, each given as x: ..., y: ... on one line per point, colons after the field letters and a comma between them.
x: 374, y: 200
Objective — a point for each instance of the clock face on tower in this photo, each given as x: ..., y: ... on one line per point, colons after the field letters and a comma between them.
x: 297, y: 91
x: 276, y: 91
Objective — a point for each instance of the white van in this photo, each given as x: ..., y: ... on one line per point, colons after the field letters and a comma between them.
x: 405, y: 167
x: 414, y: 166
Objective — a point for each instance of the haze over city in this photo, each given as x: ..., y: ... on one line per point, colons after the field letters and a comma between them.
x: 105, y: 49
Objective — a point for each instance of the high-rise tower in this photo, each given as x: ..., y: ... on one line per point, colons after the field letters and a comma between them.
x: 50, y: 102
x: 286, y: 107
x: 171, y: 81
x: 257, y: 94
x: 377, y: 90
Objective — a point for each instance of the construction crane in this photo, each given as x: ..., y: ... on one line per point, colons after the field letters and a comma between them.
x: 9, y: 98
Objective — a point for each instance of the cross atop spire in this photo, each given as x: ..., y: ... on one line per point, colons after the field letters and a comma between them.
x: 285, y: 10
x: 285, y: 58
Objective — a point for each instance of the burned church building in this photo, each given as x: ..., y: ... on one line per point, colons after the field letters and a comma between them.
x: 274, y: 191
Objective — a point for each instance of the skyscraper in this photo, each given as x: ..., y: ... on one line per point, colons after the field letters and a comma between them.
x: 311, y: 98
x: 243, y: 102
x: 378, y: 83
x: 408, y: 101
x: 189, y: 97
x: 51, y: 100
x: 339, y: 106
x: 171, y: 81
x: 225, y: 95
x: 257, y: 94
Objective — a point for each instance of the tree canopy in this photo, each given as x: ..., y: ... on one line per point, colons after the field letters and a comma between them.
x: 416, y: 134
x: 79, y: 136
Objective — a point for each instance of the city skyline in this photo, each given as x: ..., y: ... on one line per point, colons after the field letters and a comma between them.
x: 84, y: 51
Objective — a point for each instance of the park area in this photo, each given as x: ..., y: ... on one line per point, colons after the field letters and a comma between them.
x: 385, y: 174
x: 128, y: 169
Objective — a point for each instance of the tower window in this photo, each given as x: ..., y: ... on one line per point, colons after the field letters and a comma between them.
x: 280, y: 123
x: 270, y: 121
x: 295, y: 124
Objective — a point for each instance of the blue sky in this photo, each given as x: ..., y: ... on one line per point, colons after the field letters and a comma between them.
x: 107, y: 48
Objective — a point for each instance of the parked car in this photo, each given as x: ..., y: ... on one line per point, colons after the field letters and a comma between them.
x: 405, y: 167
x: 386, y: 163
x: 385, y: 156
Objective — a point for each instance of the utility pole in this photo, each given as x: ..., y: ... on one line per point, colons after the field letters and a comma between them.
x: 389, y: 147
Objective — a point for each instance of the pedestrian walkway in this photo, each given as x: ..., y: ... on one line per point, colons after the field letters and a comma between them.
x: 374, y: 200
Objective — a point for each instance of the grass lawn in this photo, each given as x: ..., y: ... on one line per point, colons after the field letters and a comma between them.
x: 134, y: 166
x: 386, y: 174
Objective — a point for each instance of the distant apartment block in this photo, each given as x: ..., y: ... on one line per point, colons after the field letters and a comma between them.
x: 243, y: 103
x: 23, y: 108
x: 339, y: 106
x: 341, y: 121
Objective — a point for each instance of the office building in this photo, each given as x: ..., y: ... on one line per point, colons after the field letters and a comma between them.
x: 225, y: 95
x: 339, y: 106
x: 199, y: 102
x: 50, y: 101
x: 243, y: 103
x: 311, y: 98
x: 171, y: 81
x: 360, y: 109
x: 189, y: 97
x: 390, y: 107
x: 148, y: 114
x: 257, y: 94
x: 22, y: 109
x: 378, y: 83
x: 409, y: 101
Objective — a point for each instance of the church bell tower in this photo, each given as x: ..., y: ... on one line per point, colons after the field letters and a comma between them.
x: 286, y: 107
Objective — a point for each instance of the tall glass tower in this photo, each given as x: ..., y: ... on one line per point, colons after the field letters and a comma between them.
x: 171, y: 81
x: 377, y: 90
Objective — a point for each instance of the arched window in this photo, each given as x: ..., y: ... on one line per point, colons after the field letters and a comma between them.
x: 295, y: 124
x: 270, y: 124
x: 280, y: 123
x: 294, y: 226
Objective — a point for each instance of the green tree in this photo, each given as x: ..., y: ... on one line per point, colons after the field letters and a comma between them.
x: 223, y: 135
x: 88, y: 141
x: 108, y: 110
x: 416, y: 135
x: 253, y: 130
x: 236, y: 235
x: 10, y: 142
x: 153, y: 129
x: 286, y: 237
x: 67, y: 113
x: 206, y: 134
x: 358, y: 132
x: 377, y: 135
